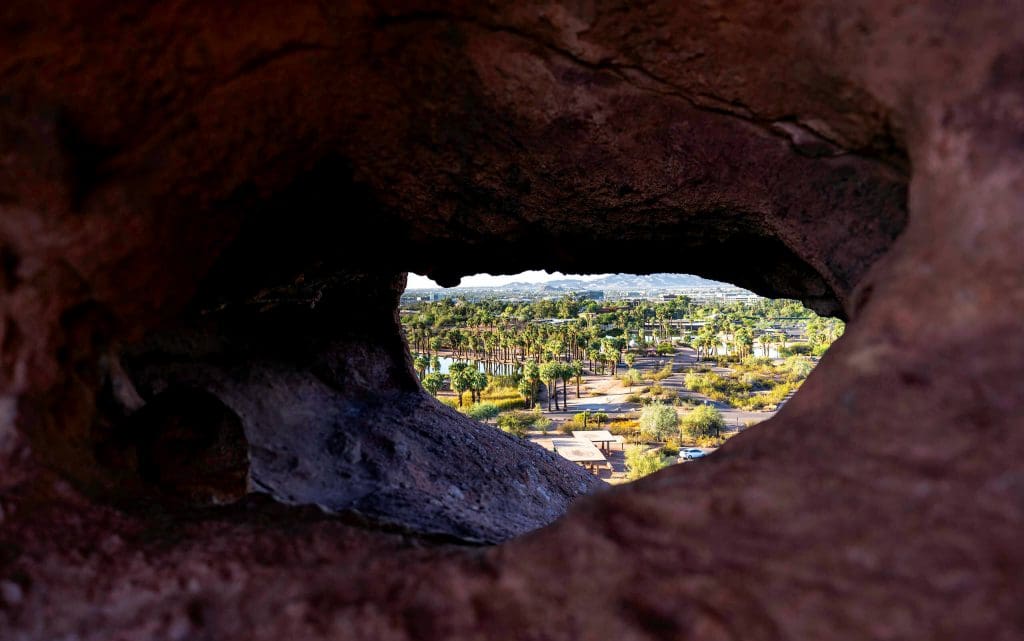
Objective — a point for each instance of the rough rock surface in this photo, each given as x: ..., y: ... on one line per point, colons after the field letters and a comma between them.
x: 178, y: 179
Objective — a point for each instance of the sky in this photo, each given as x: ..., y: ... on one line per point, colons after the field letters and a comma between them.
x: 487, y: 280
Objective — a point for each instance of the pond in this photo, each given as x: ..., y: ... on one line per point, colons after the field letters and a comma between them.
x: 500, y: 369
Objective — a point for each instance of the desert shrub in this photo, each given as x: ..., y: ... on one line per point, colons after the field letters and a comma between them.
x: 659, y: 421
x: 450, y: 402
x: 665, y: 349
x: 668, y: 396
x: 630, y: 377
x: 671, y: 447
x: 708, y: 441
x: 515, y: 423
x: 756, y: 362
x: 703, y: 421
x: 777, y: 394
x: 634, y: 398
x: 640, y: 462
x: 798, y: 367
x: 656, y: 390
x: 662, y: 373
x: 753, y: 402
x: 623, y: 427
x: 542, y: 423
x: 483, y: 411
x: 754, y: 380
x: 796, y: 349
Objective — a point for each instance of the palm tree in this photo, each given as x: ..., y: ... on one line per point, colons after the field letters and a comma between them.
x: 420, y: 364
x: 549, y: 371
x: 477, y: 384
x: 577, y: 372
x: 566, y: 372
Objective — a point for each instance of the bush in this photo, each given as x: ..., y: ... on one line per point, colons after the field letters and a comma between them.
x: 798, y: 367
x: 542, y: 423
x: 634, y: 398
x: 515, y: 423
x: 623, y: 427
x: 659, y: 421
x: 709, y: 441
x: 665, y: 349
x: 630, y: 378
x: 796, y: 349
x: 483, y: 411
x: 640, y: 463
x: 704, y: 421
x: 756, y: 362
x: 662, y: 373
x: 671, y: 447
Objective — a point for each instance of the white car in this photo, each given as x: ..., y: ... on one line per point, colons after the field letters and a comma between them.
x: 691, y: 453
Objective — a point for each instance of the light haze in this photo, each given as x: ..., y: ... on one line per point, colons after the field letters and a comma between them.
x: 487, y: 280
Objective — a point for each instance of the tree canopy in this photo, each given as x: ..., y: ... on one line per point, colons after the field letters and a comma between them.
x: 659, y: 421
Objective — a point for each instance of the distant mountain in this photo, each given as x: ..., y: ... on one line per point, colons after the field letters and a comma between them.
x: 630, y: 282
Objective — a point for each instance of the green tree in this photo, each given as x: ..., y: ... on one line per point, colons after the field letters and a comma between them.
x: 433, y: 382
x: 659, y: 421
x: 702, y: 422
x: 630, y: 359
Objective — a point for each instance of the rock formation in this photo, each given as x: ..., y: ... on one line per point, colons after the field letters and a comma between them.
x: 205, y: 213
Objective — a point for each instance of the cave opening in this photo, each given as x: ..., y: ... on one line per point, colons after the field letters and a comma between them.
x: 623, y: 374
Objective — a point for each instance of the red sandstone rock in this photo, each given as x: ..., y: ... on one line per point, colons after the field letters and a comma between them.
x: 173, y: 172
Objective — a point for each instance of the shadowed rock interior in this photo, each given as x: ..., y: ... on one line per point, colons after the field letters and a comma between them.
x: 206, y: 214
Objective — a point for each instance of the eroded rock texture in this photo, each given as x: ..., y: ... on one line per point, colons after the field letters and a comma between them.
x: 205, y: 210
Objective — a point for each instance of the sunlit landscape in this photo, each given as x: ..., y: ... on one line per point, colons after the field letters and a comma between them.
x: 622, y: 374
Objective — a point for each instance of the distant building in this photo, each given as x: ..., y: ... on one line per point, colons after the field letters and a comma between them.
x: 590, y: 295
